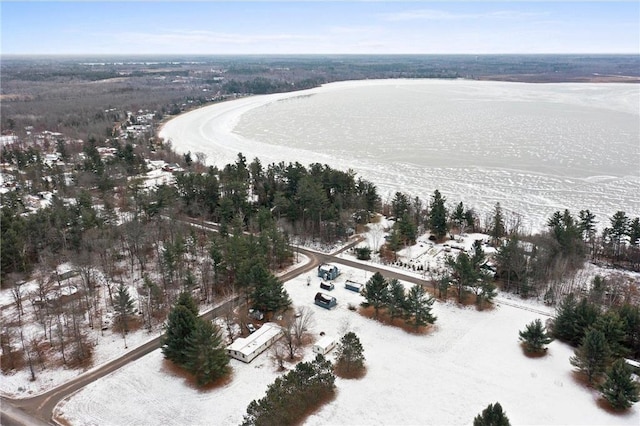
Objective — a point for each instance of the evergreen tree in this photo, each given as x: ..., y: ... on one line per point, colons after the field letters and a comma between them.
x: 492, y: 416
x: 483, y: 284
x: 292, y: 395
x: 470, y: 219
x: 418, y: 307
x: 512, y: 265
x: 363, y: 253
x: 468, y: 272
x: 438, y: 216
x: 407, y: 229
x: 400, y: 205
x: 564, y: 321
x: 619, y: 229
x: 349, y: 353
x: 592, y: 356
x: 619, y: 388
x: 462, y: 273
x: 630, y: 315
x: 180, y: 325
x: 124, y: 306
x: 586, y: 315
x: 458, y: 218
x: 535, y: 337
x: 497, y: 230
x: 396, y: 299
x: 375, y: 293
x: 566, y: 232
x: 443, y: 285
x: 613, y: 328
x: 573, y: 319
x: 634, y: 231
x: 185, y: 299
x: 587, y: 224
x: 268, y: 293
x: 205, y: 355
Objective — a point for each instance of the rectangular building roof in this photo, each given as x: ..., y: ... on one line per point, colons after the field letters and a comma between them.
x: 247, y: 345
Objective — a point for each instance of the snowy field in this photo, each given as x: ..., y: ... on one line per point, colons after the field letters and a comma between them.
x: 447, y: 376
x: 107, y: 344
x: 535, y: 148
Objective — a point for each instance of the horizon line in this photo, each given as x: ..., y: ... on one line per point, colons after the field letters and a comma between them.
x: 325, y: 54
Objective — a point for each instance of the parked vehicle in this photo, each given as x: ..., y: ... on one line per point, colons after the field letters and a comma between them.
x: 326, y: 286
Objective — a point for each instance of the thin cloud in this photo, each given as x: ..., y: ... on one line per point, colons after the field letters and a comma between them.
x: 442, y: 15
x: 209, y: 37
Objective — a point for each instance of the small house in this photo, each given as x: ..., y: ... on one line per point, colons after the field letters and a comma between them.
x: 328, y: 271
x: 326, y: 285
x: 324, y: 345
x: 245, y: 349
x: 353, y: 286
x: 325, y: 301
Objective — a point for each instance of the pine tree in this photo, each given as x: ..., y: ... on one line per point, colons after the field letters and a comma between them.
x: 124, y: 306
x: 349, y: 353
x: 630, y: 315
x: 292, y: 395
x: 438, y: 215
x: 619, y: 388
x: 497, y: 230
x: 535, y: 337
x: 180, y: 325
x: 458, y: 217
x: 205, y: 357
x: 573, y: 318
x: 396, y: 299
x: 586, y: 315
x: 613, y: 327
x: 418, y: 307
x: 268, y: 293
x: 592, y: 355
x: 469, y: 272
x: 185, y: 299
x: 634, y: 231
x: 619, y: 229
x: 375, y: 293
x: 511, y: 264
x: 492, y: 416
x: 587, y: 224
x: 483, y: 286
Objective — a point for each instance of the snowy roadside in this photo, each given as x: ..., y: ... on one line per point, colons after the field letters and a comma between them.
x: 446, y: 376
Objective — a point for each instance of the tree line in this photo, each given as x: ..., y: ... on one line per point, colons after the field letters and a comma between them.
x: 414, y: 306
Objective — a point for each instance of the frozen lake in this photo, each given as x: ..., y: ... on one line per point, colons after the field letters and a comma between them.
x: 535, y: 148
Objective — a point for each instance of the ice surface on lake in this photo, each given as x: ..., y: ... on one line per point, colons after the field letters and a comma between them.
x: 535, y: 148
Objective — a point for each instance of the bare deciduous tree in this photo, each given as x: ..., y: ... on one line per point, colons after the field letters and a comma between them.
x: 302, y: 322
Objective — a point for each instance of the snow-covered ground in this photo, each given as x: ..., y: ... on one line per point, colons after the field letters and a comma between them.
x: 468, y: 360
x: 106, y: 344
x: 447, y: 376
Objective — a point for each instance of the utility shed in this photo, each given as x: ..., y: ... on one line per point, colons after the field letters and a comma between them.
x: 245, y: 349
x: 324, y: 345
x: 328, y: 271
x: 353, y: 286
x: 325, y: 300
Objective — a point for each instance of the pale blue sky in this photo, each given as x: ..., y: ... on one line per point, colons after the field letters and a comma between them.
x: 317, y: 27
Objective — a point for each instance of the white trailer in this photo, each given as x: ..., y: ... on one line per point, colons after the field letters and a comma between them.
x: 324, y: 345
x: 247, y: 348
